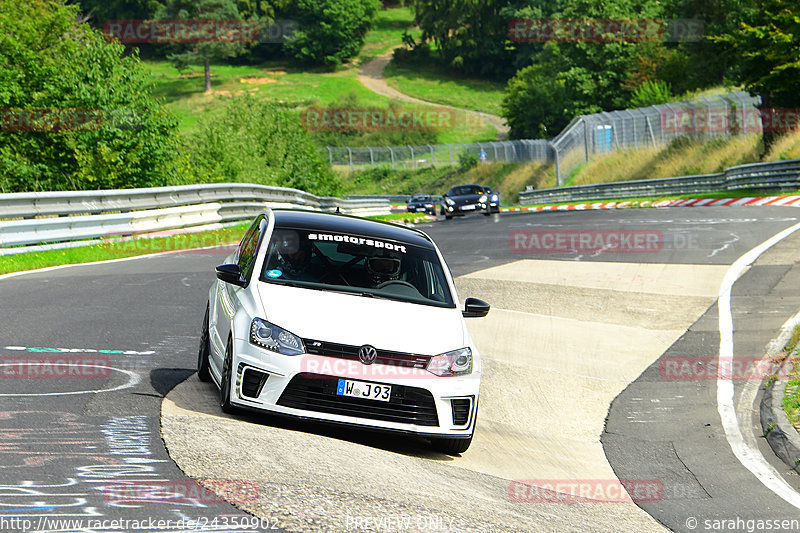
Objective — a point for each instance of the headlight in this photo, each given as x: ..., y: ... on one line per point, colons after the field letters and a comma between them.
x: 482, y: 199
x: 453, y: 363
x: 494, y: 197
x: 449, y: 201
x: 271, y: 337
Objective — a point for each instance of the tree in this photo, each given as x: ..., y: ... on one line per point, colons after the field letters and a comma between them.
x: 75, y: 113
x: 259, y: 142
x: 220, y: 45
x: 330, y: 30
x: 766, y: 45
x: 100, y: 11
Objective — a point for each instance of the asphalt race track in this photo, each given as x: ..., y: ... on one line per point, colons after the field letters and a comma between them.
x: 576, y: 392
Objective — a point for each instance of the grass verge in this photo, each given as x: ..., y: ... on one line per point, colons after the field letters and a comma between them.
x: 122, y: 248
x: 432, y: 85
x: 791, y: 398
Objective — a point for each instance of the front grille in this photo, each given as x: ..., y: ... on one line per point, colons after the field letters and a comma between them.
x: 252, y: 382
x: 460, y: 408
x: 346, y: 351
x: 315, y: 392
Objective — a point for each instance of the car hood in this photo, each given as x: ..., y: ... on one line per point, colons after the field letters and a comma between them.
x: 357, y: 320
x: 466, y: 198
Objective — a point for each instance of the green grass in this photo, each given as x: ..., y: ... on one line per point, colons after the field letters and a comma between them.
x: 791, y: 398
x: 276, y: 81
x: 412, y: 218
x: 183, y: 92
x: 387, y: 32
x: 119, y: 249
x: 432, y: 85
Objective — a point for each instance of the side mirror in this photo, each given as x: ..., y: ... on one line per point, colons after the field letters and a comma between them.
x: 230, y: 274
x: 474, y: 308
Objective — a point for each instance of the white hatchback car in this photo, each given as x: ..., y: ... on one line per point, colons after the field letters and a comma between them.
x: 345, y: 320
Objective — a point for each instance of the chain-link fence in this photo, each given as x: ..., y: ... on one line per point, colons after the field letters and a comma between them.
x: 431, y: 155
x: 586, y: 135
x: 655, y: 126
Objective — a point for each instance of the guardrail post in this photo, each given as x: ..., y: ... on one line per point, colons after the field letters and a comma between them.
x: 559, y: 182
x: 391, y: 152
x: 413, y: 159
x: 431, y: 147
x: 650, y: 127
x: 330, y: 155
x: 371, y: 158
x: 350, y: 153
x: 585, y: 139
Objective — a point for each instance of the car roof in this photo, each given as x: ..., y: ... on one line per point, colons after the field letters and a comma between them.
x: 346, y: 224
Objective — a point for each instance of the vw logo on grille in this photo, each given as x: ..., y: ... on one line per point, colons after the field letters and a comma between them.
x: 367, y: 354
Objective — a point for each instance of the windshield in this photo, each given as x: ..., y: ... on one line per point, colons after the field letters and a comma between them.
x: 358, y: 264
x: 420, y: 197
x: 463, y: 190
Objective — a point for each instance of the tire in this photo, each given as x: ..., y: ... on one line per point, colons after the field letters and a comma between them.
x: 451, y: 446
x: 203, y: 371
x: 448, y: 217
x: 486, y: 213
x: 226, y: 380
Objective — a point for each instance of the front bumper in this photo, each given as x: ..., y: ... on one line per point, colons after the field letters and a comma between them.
x: 305, y: 387
x: 460, y: 210
x: 431, y: 210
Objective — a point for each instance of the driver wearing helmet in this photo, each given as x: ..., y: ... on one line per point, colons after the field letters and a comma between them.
x: 381, y: 269
x: 293, y: 255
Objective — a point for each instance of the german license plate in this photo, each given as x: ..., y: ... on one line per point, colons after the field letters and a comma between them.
x: 361, y: 389
x: 420, y: 209
x: 467, y: 207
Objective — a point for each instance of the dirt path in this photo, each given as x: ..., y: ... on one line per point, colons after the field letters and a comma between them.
x: 371, y: 76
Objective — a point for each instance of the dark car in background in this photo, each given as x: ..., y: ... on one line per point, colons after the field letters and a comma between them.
x: 421, y: 203
x: 463, y: 199
x: 493, y: 199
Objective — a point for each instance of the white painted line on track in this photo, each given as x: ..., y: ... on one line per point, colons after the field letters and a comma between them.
x: 105, y: 261
x: 748, y: 456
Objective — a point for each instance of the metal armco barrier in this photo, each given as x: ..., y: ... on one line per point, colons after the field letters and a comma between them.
x: 33, y: 218
x: 774, y: 176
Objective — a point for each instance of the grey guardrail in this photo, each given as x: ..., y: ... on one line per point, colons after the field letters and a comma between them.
x: 33, y: 218
x: 392, y: 198
x: 775, y: 176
